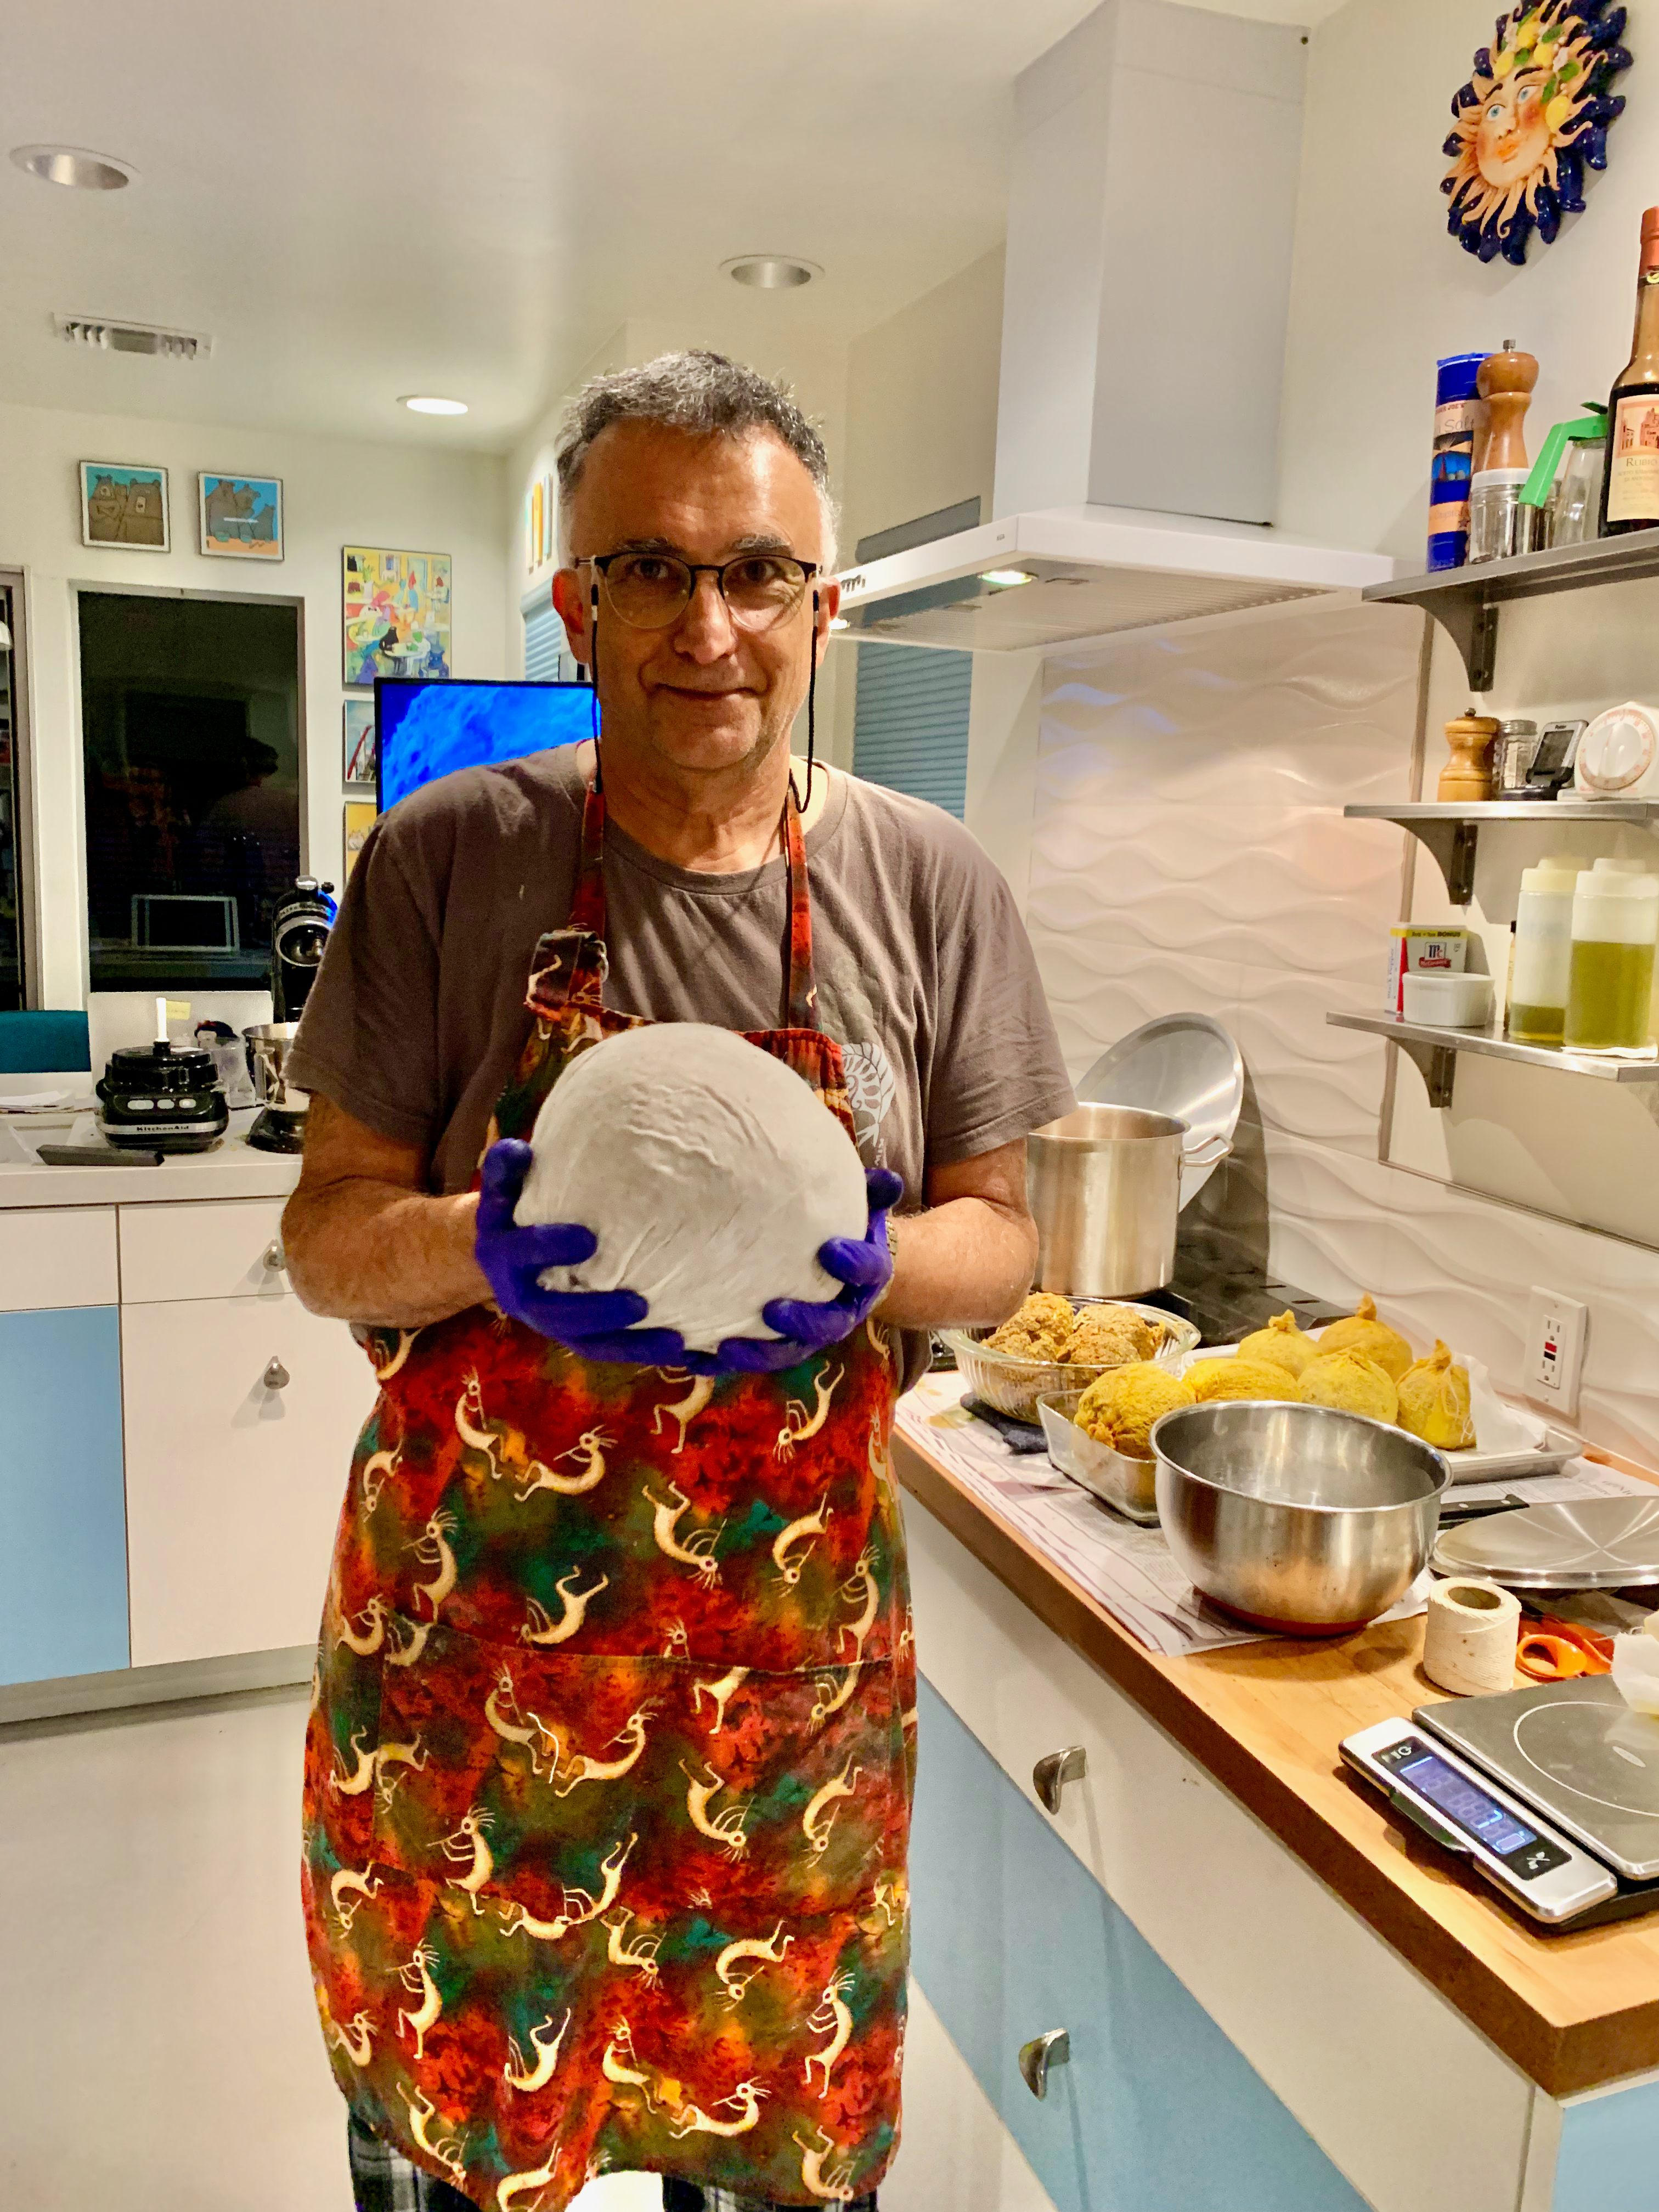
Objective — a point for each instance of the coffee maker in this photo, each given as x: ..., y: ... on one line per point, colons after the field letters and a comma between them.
x: 299, y: 937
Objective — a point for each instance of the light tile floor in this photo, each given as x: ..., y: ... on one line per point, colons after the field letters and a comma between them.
x: 159, y: 2050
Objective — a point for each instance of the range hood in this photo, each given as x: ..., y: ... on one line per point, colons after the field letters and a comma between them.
x: 1037, y: 581
x: 1152, y: 201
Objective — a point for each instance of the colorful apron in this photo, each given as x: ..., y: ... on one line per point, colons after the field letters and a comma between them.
x: 608, y: 1775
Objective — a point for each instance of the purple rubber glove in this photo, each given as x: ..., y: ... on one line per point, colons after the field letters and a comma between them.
x: 598, y: 1324
x: 864, y: 1264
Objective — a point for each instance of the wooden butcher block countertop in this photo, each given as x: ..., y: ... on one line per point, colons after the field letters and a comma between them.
x: 1573, y: 2011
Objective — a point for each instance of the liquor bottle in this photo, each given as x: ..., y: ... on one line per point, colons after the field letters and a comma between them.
x: 1630, y: 495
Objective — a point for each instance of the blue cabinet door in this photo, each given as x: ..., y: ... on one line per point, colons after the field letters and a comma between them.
x: 63, y: 1510
x: 1157, y: 2110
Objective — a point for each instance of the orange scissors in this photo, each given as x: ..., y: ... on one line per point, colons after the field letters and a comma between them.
x: 1557, y: 1650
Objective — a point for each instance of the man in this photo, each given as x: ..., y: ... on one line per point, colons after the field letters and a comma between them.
x: 608, y: 1779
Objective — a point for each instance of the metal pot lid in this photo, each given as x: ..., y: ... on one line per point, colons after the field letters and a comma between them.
x: 1595, y: 1543
x: 1183, y: 1064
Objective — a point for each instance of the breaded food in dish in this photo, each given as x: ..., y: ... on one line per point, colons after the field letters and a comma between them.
x: 1434, y: 1402
x: 1120, y: 1409
x: 1353, y: 1385
x: 1283, y: 1343
x: 1213, y: 1379
x: 1039, y: 1330
x: 1371, y: 1338
x: 1111, y: 1336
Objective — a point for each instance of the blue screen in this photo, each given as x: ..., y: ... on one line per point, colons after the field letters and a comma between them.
x: 430, y: 729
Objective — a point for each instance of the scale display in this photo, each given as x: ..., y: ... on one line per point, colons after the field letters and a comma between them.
x: 1467, y: 1807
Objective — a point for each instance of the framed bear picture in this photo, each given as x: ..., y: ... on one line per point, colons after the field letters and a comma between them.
x: 125, y: 506
x: 241, y: 517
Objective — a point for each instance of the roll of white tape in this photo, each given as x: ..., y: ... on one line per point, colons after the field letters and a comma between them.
x: 1468, y: 1646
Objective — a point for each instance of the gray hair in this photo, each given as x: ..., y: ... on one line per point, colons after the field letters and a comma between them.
x: 701, y: 393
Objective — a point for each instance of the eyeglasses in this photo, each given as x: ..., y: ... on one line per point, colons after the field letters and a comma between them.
x: 651, y: 591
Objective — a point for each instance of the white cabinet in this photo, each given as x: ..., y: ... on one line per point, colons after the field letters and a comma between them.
x: 54, y: 1256
x: 1333, y: 2020
x: 234, y: 1486
x: 228, y: 1250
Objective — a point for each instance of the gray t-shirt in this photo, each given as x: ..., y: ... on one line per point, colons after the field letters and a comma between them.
x: 924, y: 971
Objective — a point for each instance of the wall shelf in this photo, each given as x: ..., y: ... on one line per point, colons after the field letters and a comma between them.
x: 1452, y: 832
x: 1465, y: 601
x: 1435, y: 1050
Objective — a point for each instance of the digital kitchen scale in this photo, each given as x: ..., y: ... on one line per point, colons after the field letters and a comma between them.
x: 1552, y: 1793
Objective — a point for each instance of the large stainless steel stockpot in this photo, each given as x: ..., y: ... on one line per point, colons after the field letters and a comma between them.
x: 1103, y: 1184
x: 1299, y: 1518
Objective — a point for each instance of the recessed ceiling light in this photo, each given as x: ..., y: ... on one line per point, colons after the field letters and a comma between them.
x: 1006, y: 580
x: 770, y: 272
x: 420, y: 403
x: 75, y: 166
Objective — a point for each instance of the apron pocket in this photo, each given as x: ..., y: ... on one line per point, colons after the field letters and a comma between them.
x: 565, y: 1787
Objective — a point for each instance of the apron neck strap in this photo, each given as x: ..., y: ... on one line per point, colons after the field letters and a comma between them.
x: 588, y: 909
x: 803, y: 987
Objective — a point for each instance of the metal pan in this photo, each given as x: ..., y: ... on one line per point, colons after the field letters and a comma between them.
x: 1588, y: 1544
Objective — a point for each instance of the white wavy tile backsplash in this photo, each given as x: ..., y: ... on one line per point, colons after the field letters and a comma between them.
x: 1188, y: 852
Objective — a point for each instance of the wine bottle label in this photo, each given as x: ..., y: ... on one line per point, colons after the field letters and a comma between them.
x: 1633, y: 460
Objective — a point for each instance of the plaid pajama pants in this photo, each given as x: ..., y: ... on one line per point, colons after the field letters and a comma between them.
x: 383, y: 2180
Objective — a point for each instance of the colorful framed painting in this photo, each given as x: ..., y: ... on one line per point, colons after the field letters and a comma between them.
x: 1534, y: 115
x: 541, y: 517
x: 396, y: 613
x: 241, y: 517
x: 124, y: 504
x: 359, y: 821
x: 362, y: 757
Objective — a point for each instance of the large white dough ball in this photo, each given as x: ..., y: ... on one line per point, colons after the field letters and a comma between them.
x: 708, y: 1171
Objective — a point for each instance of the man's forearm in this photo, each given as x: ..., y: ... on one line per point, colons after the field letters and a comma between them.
x: 962, y: 1264
x: 375, y: 1252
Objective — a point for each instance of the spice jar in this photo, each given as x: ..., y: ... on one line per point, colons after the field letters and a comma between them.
x: 1615, y: 927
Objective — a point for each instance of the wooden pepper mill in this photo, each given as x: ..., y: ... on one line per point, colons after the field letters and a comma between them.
x: 1505, y: 382
x: 1467, y: 774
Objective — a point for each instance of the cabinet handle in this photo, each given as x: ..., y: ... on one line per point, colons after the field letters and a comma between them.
x: 277, y: 1376
x: 1050, y: 1776
x: 276, y: 1259
x: 1036, y: 2058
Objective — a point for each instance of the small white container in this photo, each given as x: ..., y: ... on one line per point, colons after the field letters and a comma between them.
x: 1450, y: 1002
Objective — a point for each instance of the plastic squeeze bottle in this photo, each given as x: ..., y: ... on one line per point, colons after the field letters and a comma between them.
x: 1543, y: 952
x: 1615, y: 927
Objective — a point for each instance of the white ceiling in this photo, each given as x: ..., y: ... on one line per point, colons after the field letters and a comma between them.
x: 361, y: 198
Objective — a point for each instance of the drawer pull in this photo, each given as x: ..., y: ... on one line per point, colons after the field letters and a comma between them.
x: 277, y: 1376
x: 1050, y: 1776
x: 1036, y: 2058
x: 276, y: 1259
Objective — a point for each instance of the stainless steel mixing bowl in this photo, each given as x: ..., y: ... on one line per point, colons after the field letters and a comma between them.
x: 1296, y: 1518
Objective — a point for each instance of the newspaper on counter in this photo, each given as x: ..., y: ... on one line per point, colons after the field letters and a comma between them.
x: 1127, y: 1569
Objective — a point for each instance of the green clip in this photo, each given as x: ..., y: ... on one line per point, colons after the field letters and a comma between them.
x: 1587, y: 430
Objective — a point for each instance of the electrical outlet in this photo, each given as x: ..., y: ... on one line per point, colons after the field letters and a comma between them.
x: 1556, y: 1329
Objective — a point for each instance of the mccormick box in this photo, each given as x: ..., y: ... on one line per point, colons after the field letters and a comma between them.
x: 1417, y: 950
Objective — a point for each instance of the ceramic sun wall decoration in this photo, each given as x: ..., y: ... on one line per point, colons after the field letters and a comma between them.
x: 1533, y: 117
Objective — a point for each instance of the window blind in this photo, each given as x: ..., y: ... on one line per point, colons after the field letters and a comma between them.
x: 910, y: 727
x: 544, y: 639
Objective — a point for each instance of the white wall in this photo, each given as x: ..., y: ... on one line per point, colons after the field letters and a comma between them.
x: 1381, y: 290
x: 921, y: 435
x: 335, y: 493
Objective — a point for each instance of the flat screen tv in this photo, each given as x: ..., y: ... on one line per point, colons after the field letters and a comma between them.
x: 427, y: 727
